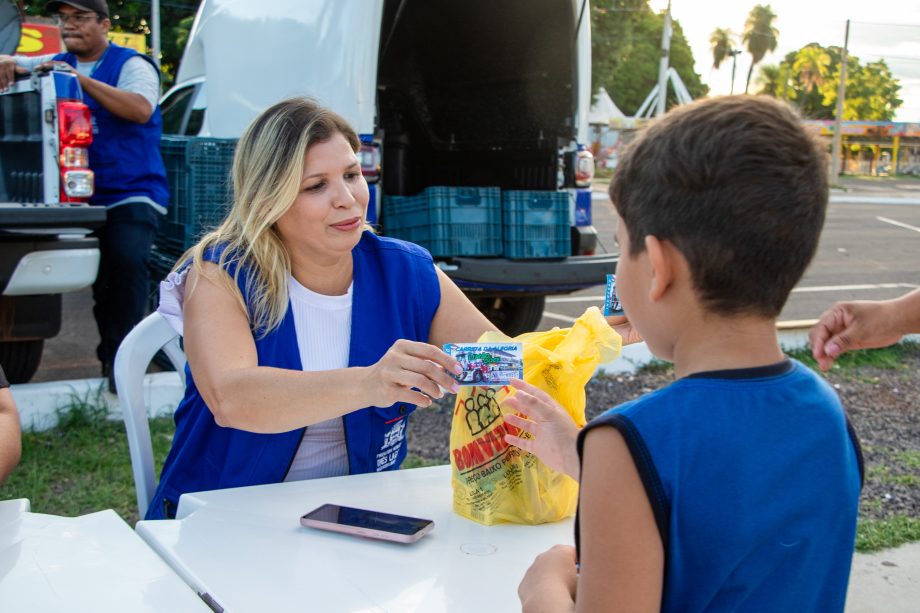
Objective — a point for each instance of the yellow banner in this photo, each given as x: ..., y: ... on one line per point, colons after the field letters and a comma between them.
x: 138, y: 42
x: 42, y: 39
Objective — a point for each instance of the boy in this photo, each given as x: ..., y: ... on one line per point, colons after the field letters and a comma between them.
x: 736, y: 487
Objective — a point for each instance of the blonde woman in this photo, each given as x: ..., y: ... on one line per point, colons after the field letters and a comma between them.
x: 309, y: 339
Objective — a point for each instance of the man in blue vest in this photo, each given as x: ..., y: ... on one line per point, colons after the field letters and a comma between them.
x: 121, y: 88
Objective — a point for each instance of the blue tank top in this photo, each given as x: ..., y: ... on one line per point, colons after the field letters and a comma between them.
x: 395, y: 296
x: 125, y: 155
x: 754, y: 479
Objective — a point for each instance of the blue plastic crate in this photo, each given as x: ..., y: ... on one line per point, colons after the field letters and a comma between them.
x: 448, y: 221
x: 171, y: 235
x: 536, y: 224
x: 407, y: 218
x: 210, y: 185
x: 198, y: 176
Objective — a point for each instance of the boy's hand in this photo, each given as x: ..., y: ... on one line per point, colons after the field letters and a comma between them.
x: 554, y: 432
x: 550, y: 582
x: 621, y: 326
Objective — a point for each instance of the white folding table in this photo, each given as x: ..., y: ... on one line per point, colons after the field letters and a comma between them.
x: 244, y: 549
x: 92, y: 563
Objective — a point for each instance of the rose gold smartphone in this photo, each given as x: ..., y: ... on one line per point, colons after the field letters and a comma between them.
x: 369, y: 524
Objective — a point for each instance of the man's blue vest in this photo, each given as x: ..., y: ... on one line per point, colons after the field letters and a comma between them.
x: 125, y: 155
x: 395, y: 295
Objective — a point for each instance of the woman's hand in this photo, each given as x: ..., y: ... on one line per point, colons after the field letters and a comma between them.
x: 621, y: 326
x: 554, y: 432
x: 407, y: 365
x: 550, y: 582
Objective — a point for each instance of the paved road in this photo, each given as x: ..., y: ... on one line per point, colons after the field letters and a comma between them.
x: 868, y: 251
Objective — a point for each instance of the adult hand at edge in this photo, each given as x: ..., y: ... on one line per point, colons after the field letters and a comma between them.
x: 848, y: 326
x: 407, y: 365
x: 554, y: 434
x: 8, y: 71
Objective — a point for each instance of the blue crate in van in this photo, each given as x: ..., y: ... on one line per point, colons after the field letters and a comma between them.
x: 210, y: 184
x: 536, y: 224
x: 171, y: 234
x: 448, y: 221
x: 198, y: 176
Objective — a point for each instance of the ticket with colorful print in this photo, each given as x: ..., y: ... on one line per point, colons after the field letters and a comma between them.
x: 487, y: 363
x: 612, y: 304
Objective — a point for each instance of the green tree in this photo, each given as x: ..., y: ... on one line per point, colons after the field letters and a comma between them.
x: 871, y: 92
x: 626, y: 49
x: 760, y: 36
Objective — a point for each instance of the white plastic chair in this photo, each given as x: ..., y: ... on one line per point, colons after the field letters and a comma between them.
x: 134, y: 355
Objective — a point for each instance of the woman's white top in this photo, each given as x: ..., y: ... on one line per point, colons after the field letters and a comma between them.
x: 323, y: 327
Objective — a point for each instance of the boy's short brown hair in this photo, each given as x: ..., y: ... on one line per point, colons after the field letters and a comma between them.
x: 739, y: 187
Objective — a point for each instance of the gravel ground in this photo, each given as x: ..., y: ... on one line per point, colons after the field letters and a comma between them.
x: 883, y: 406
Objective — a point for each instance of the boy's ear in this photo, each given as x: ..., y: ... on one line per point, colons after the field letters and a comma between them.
x: 662, y: 266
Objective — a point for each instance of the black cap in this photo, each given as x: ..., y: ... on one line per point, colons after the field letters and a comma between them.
x: 94, y: 6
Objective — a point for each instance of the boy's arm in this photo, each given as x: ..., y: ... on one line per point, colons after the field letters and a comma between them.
x: 622, y: 556
x: 10, y: 442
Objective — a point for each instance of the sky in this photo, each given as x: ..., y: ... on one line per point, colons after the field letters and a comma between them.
x: 887, y: 29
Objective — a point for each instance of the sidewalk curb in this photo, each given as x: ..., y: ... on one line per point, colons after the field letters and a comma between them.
x: 886, y: 581
x: 40, y: 403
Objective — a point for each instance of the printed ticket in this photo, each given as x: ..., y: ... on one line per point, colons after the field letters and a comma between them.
x: 487, y: 363
x: 612, y: 304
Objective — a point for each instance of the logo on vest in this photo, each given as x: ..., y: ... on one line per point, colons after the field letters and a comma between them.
x: 392, y: 443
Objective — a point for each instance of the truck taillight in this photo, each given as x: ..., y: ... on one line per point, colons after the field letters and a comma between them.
x: 76, y: 135
x: 369, y: 156
x: 584, y: 167
x: 75, y: 124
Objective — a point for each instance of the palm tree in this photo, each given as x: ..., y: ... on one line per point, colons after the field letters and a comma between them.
x: 769, y: 80
x: 776, y: 80
x: 722, y: 42
x: 811, y: 66
x: 759, y: 35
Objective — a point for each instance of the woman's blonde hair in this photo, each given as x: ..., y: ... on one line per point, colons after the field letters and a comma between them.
x: 267, y: 173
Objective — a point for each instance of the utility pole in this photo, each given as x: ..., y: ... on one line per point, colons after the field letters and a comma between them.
x: 663, y: 65
x: 155, y: 30
x: 841, y: 94
x: 734, y: 53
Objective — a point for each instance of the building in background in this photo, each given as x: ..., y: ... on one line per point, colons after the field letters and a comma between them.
x: 875, y: 148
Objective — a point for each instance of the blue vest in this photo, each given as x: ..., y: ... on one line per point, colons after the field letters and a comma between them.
x: 395, y: 295
x: 754, y: 479
x: 125, y: 155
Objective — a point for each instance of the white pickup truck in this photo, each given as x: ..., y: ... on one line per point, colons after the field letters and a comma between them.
x: 45, y: 221
x: 443, y: 94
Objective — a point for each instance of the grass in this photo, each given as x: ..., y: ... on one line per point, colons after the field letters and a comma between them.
x: 875, y: 534
x: 888, y: 358
x: 82, y: 465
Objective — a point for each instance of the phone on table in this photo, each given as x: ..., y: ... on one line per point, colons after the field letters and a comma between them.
x: 369, y: 524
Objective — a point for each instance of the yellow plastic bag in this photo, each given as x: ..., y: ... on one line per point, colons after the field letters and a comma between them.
x: 494, y: 482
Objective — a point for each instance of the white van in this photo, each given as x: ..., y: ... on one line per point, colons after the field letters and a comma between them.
x: 442, y: 93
